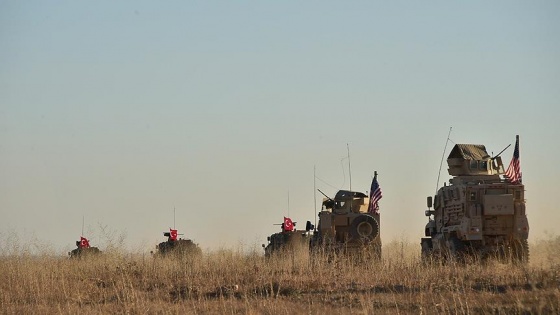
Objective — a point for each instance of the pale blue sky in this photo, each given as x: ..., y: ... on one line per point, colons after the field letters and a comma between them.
x: 120, y: 111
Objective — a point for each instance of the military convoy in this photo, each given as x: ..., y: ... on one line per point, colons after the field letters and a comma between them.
x: 478, y: 214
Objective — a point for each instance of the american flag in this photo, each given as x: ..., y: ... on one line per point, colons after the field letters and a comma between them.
x: 513, y: 172
x: 374, y: 195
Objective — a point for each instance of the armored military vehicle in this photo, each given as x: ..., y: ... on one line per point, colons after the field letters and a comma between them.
x: 177, y: 246
x: 478, y: 214
x: 347, y: 227
x: 289, y: 239
x: 83, y: 249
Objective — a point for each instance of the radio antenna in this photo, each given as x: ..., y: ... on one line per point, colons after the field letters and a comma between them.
x: 174, y: 217
x: 83, y: 225
x: 442, y: 156
x: 349, y: 174
x: 315, y: 195
x: 349, y: 166
x: 288, y: 202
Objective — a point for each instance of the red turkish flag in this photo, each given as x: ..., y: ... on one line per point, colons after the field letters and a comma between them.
x: 288, y: 224
x: 84, y: 243
x: 173, y: 234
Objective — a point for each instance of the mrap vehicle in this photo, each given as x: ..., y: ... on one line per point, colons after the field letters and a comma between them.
x: 347, y: 227
x: 479, y: 214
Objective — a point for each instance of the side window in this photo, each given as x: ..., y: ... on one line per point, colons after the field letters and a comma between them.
x: 483, y: 165
x: 473, y: 164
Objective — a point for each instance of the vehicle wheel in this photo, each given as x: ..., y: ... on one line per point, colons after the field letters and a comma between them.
x: 457, y: 249
x: 520, y: 251
x: 364, y: 228
x: 377, y: 252
x: 427, y: 253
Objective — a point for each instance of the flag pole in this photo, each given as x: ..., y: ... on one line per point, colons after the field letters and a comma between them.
x: 375, y: 179
x: 518, y: 157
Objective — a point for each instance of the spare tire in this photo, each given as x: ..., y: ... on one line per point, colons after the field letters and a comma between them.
x: 364, y: 228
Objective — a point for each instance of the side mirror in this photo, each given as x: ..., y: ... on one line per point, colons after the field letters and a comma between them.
x: 263, y: 246
x: 429, y: 201
x: 268, y: 239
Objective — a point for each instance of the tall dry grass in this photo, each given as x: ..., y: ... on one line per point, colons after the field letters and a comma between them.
x: 233, y: 281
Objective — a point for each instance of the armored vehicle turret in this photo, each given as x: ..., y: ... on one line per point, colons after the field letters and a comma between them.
x: 478, y: 214
x: 83, y: 249
x: 289, y: 239
x: 347, y: 227
x: 177, y: 246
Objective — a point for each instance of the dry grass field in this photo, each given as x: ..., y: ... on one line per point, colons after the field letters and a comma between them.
x: 230, y: 282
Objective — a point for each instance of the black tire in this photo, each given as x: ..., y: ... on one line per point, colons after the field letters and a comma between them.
x: 520, y: 251
x: 377, y: 251
x: 427, y: 252
x: 457, y: 250
x: 364, y: 228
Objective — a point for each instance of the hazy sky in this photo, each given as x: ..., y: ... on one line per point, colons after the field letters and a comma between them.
x: 120, y: 111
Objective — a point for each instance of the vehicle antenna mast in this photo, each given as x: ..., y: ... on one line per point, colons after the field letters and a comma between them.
x: 288, y: 202
x: 315, y: 194
x: 349, y: 166
x: 349, y: 174
x: 442, y: 156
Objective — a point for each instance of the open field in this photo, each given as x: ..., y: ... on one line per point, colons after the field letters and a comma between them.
x: 230, y: 282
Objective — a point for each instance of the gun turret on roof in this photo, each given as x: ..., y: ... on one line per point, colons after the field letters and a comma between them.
x: 472, y: 160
